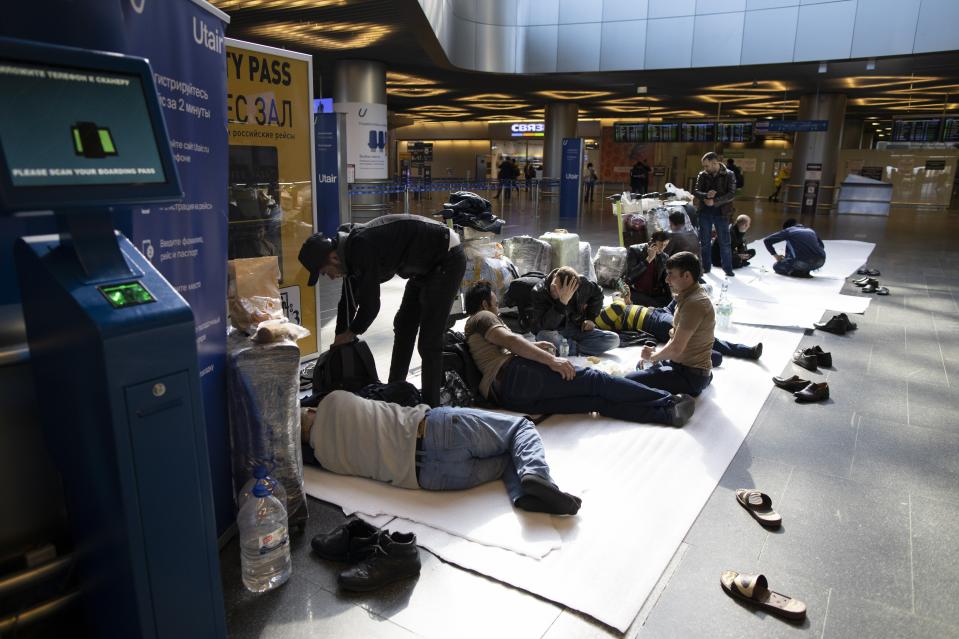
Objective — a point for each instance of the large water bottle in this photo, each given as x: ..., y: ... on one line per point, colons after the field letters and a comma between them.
x: 724, y: 308
x: 264, y: 541
x: 564, y: 348
x: 261, y: 475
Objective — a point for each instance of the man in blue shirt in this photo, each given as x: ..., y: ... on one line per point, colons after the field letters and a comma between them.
x: 805, y: 252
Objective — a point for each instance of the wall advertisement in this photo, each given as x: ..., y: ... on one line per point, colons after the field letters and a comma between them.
x: 186, y: 242
x: 272, y: 208
x: 366, y: 141
x: 571, y: 181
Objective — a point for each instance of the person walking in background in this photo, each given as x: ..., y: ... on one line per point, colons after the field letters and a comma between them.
x: 503, y: 173
x: 514, y: 174
x: 529, y: 173
x: 590, y: 183
x: 781, y: 176
x: 639, y: 177
x: 716, y: 189
x: 738, y: 172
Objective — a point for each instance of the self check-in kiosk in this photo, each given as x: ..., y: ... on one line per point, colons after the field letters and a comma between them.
x: 112, y: 344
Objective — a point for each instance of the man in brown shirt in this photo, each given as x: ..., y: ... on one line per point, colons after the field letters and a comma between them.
x: 527, y: 377
x: 683, y: 365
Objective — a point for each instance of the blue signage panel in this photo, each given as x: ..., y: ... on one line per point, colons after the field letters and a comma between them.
x: 187, y: 241
x: 327, y: 173
x: 571, y: 178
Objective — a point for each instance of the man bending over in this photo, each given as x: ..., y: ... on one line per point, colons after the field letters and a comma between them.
x: 434, y: 449
x: 805, y: 252
x: 527, y: 377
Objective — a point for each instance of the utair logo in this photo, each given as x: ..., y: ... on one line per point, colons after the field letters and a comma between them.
x: 324, y: 178
x: 571, y: 176
x: 205, y: 37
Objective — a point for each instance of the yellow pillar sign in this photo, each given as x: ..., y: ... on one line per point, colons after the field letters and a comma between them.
x: 272, y: 210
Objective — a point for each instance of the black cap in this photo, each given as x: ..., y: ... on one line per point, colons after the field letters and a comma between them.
x: 314, y: 255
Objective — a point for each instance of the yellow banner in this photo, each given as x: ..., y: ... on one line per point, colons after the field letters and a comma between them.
x: 270, y: 123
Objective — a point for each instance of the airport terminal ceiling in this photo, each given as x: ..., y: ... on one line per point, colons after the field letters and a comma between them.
x: 423, y: 86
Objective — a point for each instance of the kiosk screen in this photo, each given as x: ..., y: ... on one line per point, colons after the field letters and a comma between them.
x: 63, y: 126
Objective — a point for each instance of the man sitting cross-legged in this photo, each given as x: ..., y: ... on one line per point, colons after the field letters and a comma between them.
x: 622, y: 316
x: 684, y: 364
x: 527, y: 377
x: 434, y: 449
x: 564, y: 305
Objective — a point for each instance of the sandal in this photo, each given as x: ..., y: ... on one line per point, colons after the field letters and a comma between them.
x: 755, y: 590
x: 760, y: 506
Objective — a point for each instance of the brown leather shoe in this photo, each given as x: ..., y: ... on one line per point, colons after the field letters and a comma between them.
x: 792, y: 384
x: 807, y: 359
x: 813, y: 393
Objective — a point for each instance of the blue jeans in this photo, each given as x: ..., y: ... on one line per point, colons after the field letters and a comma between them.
x: 796, y: 267
x: 659, y: 321
x: 466, y: 447
x: 531, y: 387
x: 594, y: 342
x: 708, y: 217
x: 673, y: 378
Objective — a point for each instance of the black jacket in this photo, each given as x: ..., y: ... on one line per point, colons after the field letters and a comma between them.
x: 550, y: 315
x: 636, y: 265
x: 723, y: 182
x: 372, y: 253
x: 737, y: 239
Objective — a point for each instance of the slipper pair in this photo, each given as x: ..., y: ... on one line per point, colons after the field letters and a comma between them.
x: 754, y: 589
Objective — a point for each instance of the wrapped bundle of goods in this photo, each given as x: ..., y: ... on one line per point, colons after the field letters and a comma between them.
x: 634, y: 229
x: 487, y: 262
x: 610, y: 265
x: 584, y: 263
x: 565, y: 247
x: 528, y: 254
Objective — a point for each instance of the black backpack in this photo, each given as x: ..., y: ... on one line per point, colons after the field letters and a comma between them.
x: 347, y: 367
x: 457, y: 359
x: 519, y: 293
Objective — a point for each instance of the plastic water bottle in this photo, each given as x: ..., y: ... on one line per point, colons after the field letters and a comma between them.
x: 724, y: 308
x: 709, y: 289
x: 564, y: 348
x: 264, y: 541
x: 645, y: 363
x: 261, y: 475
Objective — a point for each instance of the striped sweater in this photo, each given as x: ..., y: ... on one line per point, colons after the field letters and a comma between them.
x: 619, y: 316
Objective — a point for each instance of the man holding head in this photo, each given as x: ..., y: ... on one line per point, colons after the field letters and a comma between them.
x: 716, y: 189
x: 428, y: 254
x: 684, y: 364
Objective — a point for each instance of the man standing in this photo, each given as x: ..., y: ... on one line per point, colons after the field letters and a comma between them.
x: 639, y: 177
x: 679, y: 238
x: 716, y: 189
x: 805, y: 252
x: 425, y: 252
x: 564, y: 305
x: 684, y: 364
x: 590, y: 182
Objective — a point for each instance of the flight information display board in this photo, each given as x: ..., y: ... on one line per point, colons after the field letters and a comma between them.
x: 629, y: 132
x: 698, y: 132
x: 950, y: 130
x: 665, y: 132
x: 925, y: 130
x: 734, y: 131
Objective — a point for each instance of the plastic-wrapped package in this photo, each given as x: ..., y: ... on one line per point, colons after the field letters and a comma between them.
x: 528, y: 254
x: 565, y: 247
x: 634, y: 229
x: 263, y: 380
x: 498, y: 270
x: 610, y: 265
x: 584, y: 262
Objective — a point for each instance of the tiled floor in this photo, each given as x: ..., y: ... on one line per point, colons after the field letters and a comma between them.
x: 868, y: 485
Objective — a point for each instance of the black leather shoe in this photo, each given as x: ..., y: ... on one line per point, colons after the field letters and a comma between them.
x: 813, y: 393
x: 350, y: 542
x: 393, y: 557
x: 871, y: 287
x: 683, y: 408
x: 873, y: 272
x: 862, y: 281
x: 838, y: 325
x: 822, y: 357
x: 757, y: 351
x: 548, y: 498
x: 806, y: 359
x: 792, y: 384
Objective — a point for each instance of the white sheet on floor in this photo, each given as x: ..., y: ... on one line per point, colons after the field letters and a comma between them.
x: 762, y: 297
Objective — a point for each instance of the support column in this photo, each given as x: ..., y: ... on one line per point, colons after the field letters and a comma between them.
x: 359, y: 91
x: 819, y: 147
x: 560, y: 122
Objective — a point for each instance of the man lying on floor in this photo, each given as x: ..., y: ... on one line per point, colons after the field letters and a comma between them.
x: 434, y: 449
x: 527, y: 377
x: 622, y: 316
